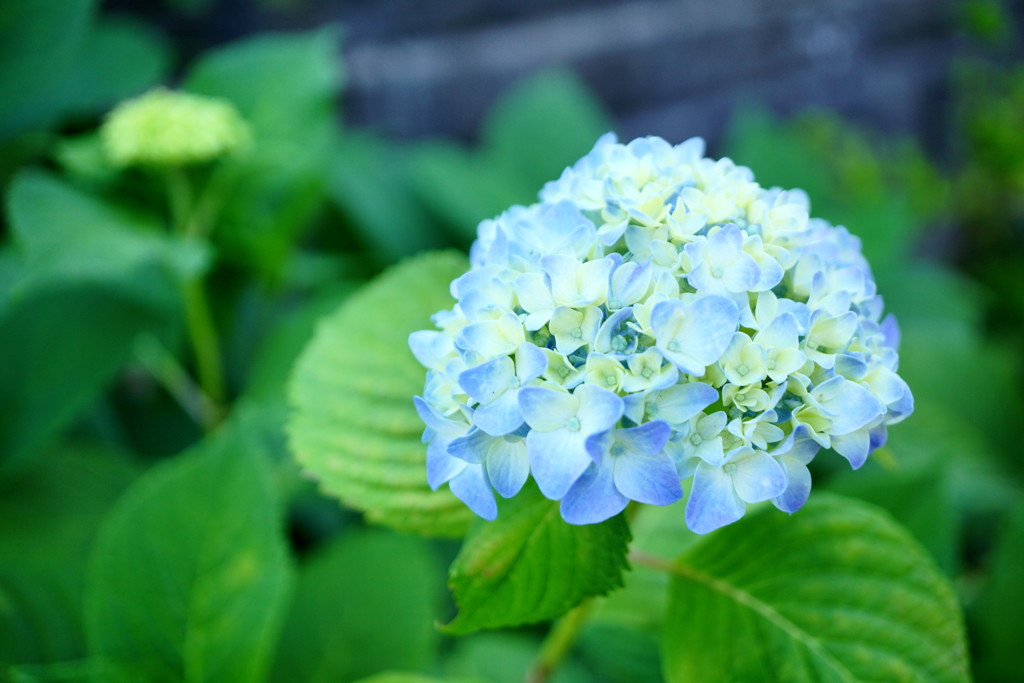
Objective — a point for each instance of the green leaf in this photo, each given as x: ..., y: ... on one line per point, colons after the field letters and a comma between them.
x: 39, y: 42
x: 353, y: 424
x: 366, y: 187
x: 189, y: 575
x: 530, y: 565
x: 267, y: 193
x: 534, y: 131
x: 298, y: 76
x: 69, y: 237
x: 543, y: 125
x: 48, y: 518
x: 837, y: 592
x: 58, y: 350
x: 364, y: 604
x: 120, y: 57
x: 997, y: 614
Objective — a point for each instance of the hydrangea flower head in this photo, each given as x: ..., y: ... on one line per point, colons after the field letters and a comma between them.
x: 657, y: 319
x: 168, y: 128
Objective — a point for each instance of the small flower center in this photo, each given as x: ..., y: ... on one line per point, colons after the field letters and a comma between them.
x: 717, y: 271
x: 647, y: 373
x: 576, y: 333
x: 696, y: 439
x: 563, y: 372
x: 514, y: 383
x: 610, y: 381
x: 742, y: 370
x: 652, y: 409
x: 675, y: 346
x: 730, y: 468
x: 771, y: 365
x: 572, y: 424
x: 617, y: 449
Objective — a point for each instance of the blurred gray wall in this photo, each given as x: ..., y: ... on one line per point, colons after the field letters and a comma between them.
x: 672, y: 68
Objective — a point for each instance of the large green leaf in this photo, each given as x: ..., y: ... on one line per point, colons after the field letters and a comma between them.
x: 838, y: 592
x: 38, y: 45
x: 364, y: 604
x: 58, y: 350
x: 353, y: 424
x: 69, y: 237
x: 543, y: 125
x: 368, y: 190
x: 120, y: 57
x: 284, y: 85
x: 48, y: 518
x: 534, y: 131
x: 529, y: 564
x: 997, y: 613
x: 189, y: 575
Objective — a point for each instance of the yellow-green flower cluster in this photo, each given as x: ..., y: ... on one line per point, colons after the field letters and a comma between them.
x: 169, y: 128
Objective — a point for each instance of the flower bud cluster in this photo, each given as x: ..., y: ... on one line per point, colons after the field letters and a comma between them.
x: 168, y: 128
x: 657, y: 316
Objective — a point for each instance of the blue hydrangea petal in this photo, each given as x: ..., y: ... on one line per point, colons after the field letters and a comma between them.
x: 530, y: 362
x: 472, y: 488
x: 593, y: 498
x: 852, y: 406
x: 758, y: 477
x: 472, y: 447
x: 643, y: 471
x: 599, y: 410
x: 486, y: 381
x: 545, y: 409
x: 855, y: 446
x: 501, y: 416
x: 557, y: 459
x: 679, y: 403
x: 441, y: 466
x: 694, y: 335
x: 713, y: 502
x: 508, y: 465
x: 798, y: 485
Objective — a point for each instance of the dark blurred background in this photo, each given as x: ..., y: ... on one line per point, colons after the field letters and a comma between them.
x: 674, y: 69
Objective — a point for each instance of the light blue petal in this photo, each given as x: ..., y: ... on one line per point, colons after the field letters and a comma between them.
x: 891, y: 331
x: 557, y: 459
x: 780, y: 333
x: 679, y: 403
x: 471, y: 487
x: 723, y: 246
x: 508, y: 466
x: 758, y: 477
x: 471, y: 448
x: 742, y: 276
x: 530, y: 362
x: 648, y: 439
x: 854, y: 446
x: 545, y: 409
x: 486, y: 381
x: 440, y: 465
x: 713, y: 502
x: 798, y: 487
x: 593, y: 498
x: 600, y: 409
x: 430, y: 347
x: 712, y: 322
x: 852, y: 406
x: 501, y: 416
x: 650, y: 479
x: 441, y: 425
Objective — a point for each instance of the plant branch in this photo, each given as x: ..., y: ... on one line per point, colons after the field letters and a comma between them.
x: 558, y: 642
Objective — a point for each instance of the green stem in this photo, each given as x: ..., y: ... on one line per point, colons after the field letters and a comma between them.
x: 164, y: 367
x: 558, y: 643
x: 202, y: 333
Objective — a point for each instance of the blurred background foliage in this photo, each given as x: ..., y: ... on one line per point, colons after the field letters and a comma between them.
x: 118, y: 515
